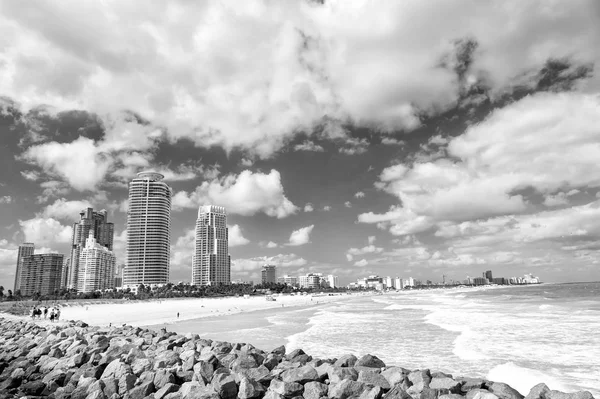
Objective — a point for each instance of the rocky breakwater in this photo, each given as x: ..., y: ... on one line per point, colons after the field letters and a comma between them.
x: 75, y: 361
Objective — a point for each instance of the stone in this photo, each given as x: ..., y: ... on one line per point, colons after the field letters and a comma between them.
x: 397, y: 392
x: 280, y: 350
x: 116, y: 369
x: 539, y: 391
x: 126, y: 382
x: 272, y: 395
x: 162, y: 378
x: 141, y: 391
x: 314, y: 390
x: 286, y: 389
x: 138, y: 366
x: 97, y: 385
x: 96, y: 395
x: 301, y: 375
x: 445, y: 383
x: 224, y: 385
x: 346, y: 361
x: 480, y: 394
x: 504, y: 391
x: 468, y: 384
x: 338, y: 374
x: 372, y: 393
x: 260, y: 374
x: 451, y: 396
x: 395, y: 375
x: 250, y: 389
x: 322, y: 370
x: 420, y: 379
x: 572, y: 395
x: 272, y: 360
x: 111, y: 386
x: 33, y: 388
x: 165, y: 390
x: 374, y: 379
x: 370, y: 361
x: 346, y: 389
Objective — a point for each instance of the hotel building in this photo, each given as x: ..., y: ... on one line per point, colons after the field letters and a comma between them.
x: 25, y: 249
x: 41, y: 273
x: 211, y: 263
x: 269, y: 274
x: 148, y: 230
x: 95, y: 223
x: 96, y: 267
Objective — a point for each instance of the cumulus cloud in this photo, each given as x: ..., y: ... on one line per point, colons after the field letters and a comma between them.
x: 245, y: 194
x: 308, y: 207
x: 62, y: 209
x: 361, y: 263
x: 45, y: 231
x: 348, y: 204
x: 359, y: 194
x: 236, y: 237
x: 306, y: 61
x: 6, y: 199
x: 308, y: 146
x: 301, y: 236
x: 271, y: 244
x: 182, y: 250
x: 371, y: 239
x: 326, y: 208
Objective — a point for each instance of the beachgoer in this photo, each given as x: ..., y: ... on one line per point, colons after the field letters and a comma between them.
x: 45, y: 312
x: 51, y: 317
x: 32, y: 312
x: 177, y: 314
x: 57, y: 315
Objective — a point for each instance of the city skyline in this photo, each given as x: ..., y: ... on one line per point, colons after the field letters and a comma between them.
x: 343, y: 138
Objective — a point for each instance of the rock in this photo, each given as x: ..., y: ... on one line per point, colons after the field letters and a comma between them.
x: 395, y: 375
x: 538, y: 392
x: 96, y: 395
x: 96, y: 386
x: 138, y: 366
x: 469, y: 384
x: 338, y: 374
x: 111, y: 386
x: 244, y: 361
x: 397, y: 392
x: 373, y: 393
x: 126, y: 382
x: 451, y: 396
x: 346, y: 361
x: 286, y: 389
x: 370, y: 361
x: 272, y: 395
x: 374, y: 379
x: 301, y: 375
x: 323, y: 370
x: 191, y: 389
x: 480, y: 394
x: 162, y: 378
x: 260, y: 374
x: 420, y: 379
x: 116, y: 369
x: 33, y: 388
x: 165, y: 390
x: 141, y: 391
x: 504, y: 391
x: 280, y: 350
x: 314, y: 390
x: 250, y: 389
x: 272, y: 360
x: 346, y: 389
x: 224, y: 385
x: 445, y: 383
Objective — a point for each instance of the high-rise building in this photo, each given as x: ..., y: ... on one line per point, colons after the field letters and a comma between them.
x: 398, y: 284
x: 25, y: 249
x: 269, y: 274
x: 310, y: 280
x: 388, y: 282
x: 148, y: 230
x: 41, y: 273
x: 488, y: 275
x: 89, y: 222
x: 288, y: 280
x: 333, y: 281
x: 96, y: 267
x: 211, y: 263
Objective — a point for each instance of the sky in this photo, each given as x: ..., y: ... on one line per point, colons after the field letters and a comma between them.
x: 397, y: 138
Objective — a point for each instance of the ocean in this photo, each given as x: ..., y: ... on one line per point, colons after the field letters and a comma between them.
x: 521, y: 335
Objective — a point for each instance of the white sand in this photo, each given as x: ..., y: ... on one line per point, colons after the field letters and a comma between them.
x: 142, y: 313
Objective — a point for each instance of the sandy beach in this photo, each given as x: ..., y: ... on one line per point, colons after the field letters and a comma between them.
x: 165, y: 311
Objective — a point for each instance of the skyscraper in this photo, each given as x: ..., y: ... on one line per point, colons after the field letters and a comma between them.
x: 269, y: 274
x: 211, y: 263
x: 41, y: 273
x: 488, y: 275
x: 148, y: 230
x: 103, y: 231
x: 25, y: 249
x: 96, y: 267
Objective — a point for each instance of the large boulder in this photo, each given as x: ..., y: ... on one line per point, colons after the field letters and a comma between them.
x: 301, y: 375
x: 338, y: 374
x: 445, y: 384
x: 224, y: 385
x: 163, y: 377
x: 33, y: 388
x: 480, y: 394
x: 165, y: 390
x: 374, y: 379
x: 346, y: 361
x: 419, y: 379
x: 314, y: 390
x: 346, y: 389
x: 504, y: 391
x: 116, y: 369
x: 572, y: 395
x: 286, y: 389
x: 395, y: 375
x: 141, y: 391
x: 369, y: 361
x: 538, y: 392
x: 250, y: 389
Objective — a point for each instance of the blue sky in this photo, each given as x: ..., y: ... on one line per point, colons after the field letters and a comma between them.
x: 352, y: 137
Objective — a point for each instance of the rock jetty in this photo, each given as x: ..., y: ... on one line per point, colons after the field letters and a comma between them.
x: 77, y: 361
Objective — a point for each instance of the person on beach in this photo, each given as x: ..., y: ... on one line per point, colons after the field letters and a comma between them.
x: 57, y: 315
x: 177, y: 314
x: 45, y: 312
x: 52, y: 316
x: 32, y: 312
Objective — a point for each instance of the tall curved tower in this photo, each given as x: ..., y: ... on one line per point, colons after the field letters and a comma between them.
x: 148, y: 230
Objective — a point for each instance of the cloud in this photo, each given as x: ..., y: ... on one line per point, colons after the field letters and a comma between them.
x: 348, y: 204
x: 326, y: 208
x: 361, y: 263
x: 308, y: 146
x: 235, y: 236
x: 308, y: 207
x: 45, y: 231
x: 371, y: 239
x: 62, y: 209
x: 31, y: 175
x: 280, y: 261
x: 301, y: 236
x: 354, y: 146
x: 556, y: 200
x: 245, y: 194
x: 392, y: 141
x: 271, y: 244
x: 370, y: 249
x: 494, y: 161
x: 182, y: 250
x: 359, y: 194
x: 6, y: 199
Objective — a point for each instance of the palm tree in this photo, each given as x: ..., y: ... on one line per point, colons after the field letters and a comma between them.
x: 1, y: 291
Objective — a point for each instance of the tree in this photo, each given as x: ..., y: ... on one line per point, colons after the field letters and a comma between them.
x: 10, y: 294
x: 1, y: 291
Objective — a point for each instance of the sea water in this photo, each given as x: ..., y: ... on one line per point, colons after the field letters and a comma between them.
x: 519, y: 335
